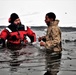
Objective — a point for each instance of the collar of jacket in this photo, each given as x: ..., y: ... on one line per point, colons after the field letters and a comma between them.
x: 15, y: 28
x: 54, y: 23
x: 12, y: 27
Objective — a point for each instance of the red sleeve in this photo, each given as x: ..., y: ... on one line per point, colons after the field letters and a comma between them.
x: 4, y: 34
x: 31, y: 34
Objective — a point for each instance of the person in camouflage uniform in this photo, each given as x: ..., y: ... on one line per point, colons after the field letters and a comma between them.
x: 52, y: 40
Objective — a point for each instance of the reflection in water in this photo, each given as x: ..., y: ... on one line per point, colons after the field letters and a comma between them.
x: 52, y: 63
x: 32, y: 61
x: 14, y: 63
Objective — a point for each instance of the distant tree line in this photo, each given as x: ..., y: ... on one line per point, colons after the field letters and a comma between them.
x: 68, y: 29
x: 63, y: 29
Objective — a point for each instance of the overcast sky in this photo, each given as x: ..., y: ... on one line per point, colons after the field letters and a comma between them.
x: 32, y: 12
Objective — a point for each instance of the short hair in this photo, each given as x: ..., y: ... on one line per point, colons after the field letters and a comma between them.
x: 51, y: 15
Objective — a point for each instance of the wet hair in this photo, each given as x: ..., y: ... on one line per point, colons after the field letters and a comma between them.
x: 51, y: 15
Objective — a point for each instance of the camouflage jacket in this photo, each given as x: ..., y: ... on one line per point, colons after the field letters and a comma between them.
x: 53, y: 37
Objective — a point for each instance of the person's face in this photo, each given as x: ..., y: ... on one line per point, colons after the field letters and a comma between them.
x: 48, y: 20
x: 17, y: 21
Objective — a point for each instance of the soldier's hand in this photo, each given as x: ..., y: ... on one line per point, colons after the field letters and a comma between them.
x: 42, y: 43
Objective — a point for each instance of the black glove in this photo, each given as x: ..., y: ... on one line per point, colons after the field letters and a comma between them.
x: 2, y: 43
x: 31, y: 38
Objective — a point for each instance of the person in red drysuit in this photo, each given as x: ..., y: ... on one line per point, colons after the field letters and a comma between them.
x: 15, y: 33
